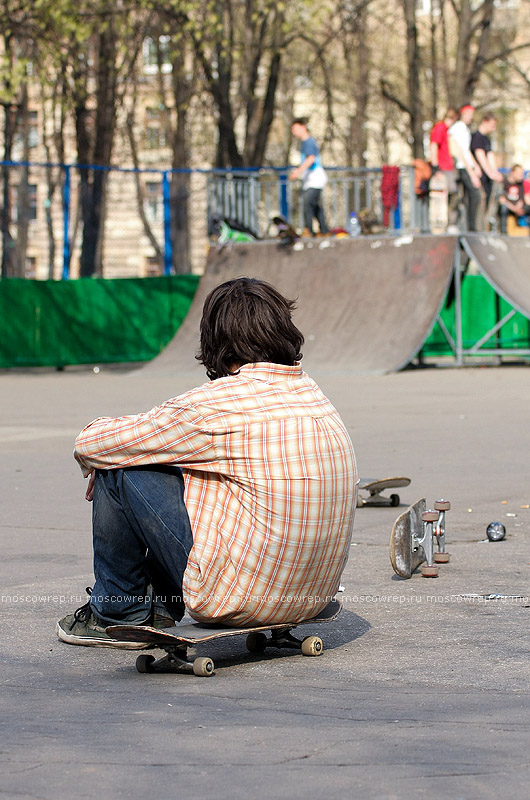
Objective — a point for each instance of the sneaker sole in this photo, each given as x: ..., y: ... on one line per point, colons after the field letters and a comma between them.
x: 83, y: 641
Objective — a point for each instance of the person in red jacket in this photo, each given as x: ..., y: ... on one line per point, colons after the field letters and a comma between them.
x: 441, y: 158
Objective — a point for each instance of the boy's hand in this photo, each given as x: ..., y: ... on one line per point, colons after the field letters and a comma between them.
x: 90, y: 488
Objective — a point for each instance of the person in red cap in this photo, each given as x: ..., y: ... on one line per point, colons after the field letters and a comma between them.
x: 469, y: 172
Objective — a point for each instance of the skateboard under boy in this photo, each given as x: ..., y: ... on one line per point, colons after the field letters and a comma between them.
x: 373, y: 487
x: 413, y: 537
x: 176, y: 641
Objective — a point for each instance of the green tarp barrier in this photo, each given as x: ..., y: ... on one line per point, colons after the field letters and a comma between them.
x: 90, y: 320
x: 482, y: 308
x: 97, y: 321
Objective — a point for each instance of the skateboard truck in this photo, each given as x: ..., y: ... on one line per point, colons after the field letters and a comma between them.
x: 433, y: 531
x: 418, y: 536
x: 176, y: 659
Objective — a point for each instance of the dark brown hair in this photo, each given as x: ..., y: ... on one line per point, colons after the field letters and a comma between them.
x: 244, y: 321
x: 452, y: 113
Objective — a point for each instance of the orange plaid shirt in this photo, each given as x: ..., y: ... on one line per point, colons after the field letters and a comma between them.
x: 270, y: 488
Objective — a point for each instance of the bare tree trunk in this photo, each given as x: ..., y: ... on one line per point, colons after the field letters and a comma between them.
x: 360, y: 81
x: 21, y: 245
x: 434, y: 65
x: 413, y: 78
x: 180, y: 181
x: 94, y: 181
x: 54, y: 147
x: 140, y: 195
x: 259, y: 115
x: 10, y: 126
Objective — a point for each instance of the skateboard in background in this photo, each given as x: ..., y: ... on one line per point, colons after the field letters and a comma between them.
x: 373, y: 488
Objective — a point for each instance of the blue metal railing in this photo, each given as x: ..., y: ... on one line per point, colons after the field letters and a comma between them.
x: 252, y: 196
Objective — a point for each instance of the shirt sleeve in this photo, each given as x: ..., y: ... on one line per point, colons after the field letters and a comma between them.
x: 437, y: 134
x: 168, y: 434
x: 309, y: 148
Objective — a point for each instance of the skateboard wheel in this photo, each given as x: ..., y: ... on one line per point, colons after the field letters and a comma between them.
x: 256, y: 642
x: 394, y: 500
x: 429, y: 572
x: 442, y: 505
x: 312, y: 646
x: 441, y: 558
x: 143, y: 662
x: 430, y: 516
x: 203, y: 667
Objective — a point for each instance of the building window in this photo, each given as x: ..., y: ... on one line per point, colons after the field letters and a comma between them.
x: 155, y: 137
x: 31, y: 267
x: 153, y: 267
x: 156, y: 51
x: 31, y: 203
x: 153, y: 201
x: 33, y: 129
x: 153, y: 113
x: 155, y: 134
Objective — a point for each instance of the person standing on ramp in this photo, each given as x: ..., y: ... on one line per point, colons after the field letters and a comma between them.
x: 313, y: 178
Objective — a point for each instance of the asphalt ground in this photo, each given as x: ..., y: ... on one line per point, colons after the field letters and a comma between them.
x: 422, y: 691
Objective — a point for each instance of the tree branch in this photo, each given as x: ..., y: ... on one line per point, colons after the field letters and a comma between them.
x: 388, y: 94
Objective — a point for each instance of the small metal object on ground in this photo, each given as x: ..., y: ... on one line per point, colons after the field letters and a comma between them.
x: 496, y: 531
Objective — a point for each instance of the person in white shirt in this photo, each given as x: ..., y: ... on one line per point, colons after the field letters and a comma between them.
x: 469, y: 172
x: 313, y: 178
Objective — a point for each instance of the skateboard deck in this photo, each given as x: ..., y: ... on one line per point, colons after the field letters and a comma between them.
x: 438, y: 203
x: 177, y: 639
x: 374, y: 487
x: 404, y: 557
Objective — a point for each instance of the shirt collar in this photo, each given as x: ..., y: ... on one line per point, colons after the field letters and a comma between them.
x: 267, y: 371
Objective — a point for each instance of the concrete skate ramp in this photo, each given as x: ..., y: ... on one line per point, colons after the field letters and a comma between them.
x: 505, y: 263
x: 364, y: 305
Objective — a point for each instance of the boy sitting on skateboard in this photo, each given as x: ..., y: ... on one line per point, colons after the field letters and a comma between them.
x: 235, y: 500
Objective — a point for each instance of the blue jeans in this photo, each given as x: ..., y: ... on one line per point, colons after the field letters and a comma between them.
x: 142, y: 539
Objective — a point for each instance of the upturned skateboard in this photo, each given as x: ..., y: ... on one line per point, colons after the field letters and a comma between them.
x: 286, y: 233
x: 438, y: 203
x: 176, y: 641
x: 374, y: 487
x: 414, y: 534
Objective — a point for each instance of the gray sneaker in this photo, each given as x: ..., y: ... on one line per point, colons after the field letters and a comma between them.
x: 83, y: 628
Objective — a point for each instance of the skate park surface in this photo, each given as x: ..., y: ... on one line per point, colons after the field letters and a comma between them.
x: 422, y: 691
